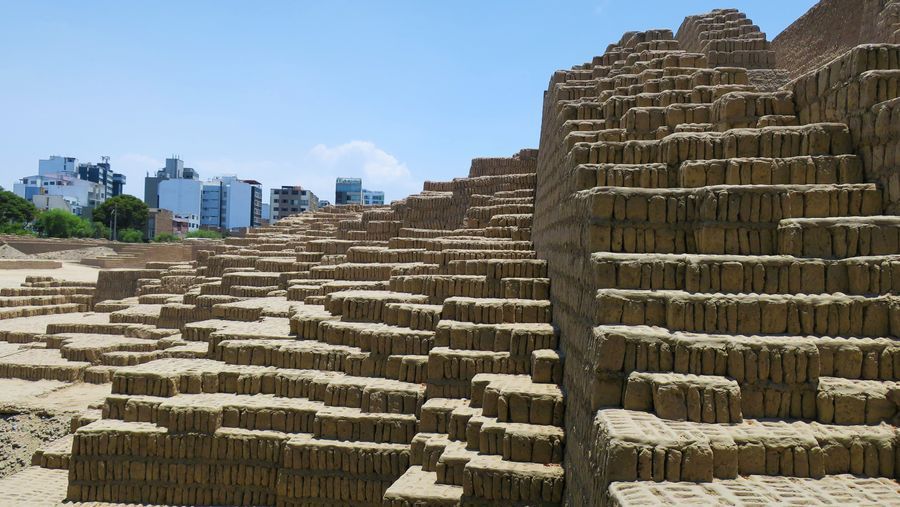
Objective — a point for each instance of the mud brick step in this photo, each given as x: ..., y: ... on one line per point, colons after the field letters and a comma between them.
x: 375, y: 395
x: 306, y: 319
x: 276, y: 264
x: 54, y: 455
x: 748, y: 274
x: 794, y: 449
x: 112, y: 305
x: 527, y: 443
x: 416, y: 316
x: 419, y: 487
x: 525, y: 288
x: 451, y: 463
x: 495, y: 479
x: 731, y: 203
x: 480, y: 382
x: 342, y: 285
x: 385, y: 255
x: 459, y: 423
x: 436, y: 414
x: 776, y: 142
x: 85, y: 324
x: 786, y: 360
x: 253, y: 309
x: 377, y: 338
x: 756, y: 490
x: 31, y: 311
x: 407, y: 368
x: 680, y: 397
x: 168, y: 377
x: 283, y: 353
x: 518, y: 339
x: 217, y: 330
x: 818, y: 315
x: 845, y: 401
x: 299, y: 292
x: 349, y: 424
x: 212, y: 475
x: 840, y: 237
x: 452, y: 364
x: 368, y: 271
x: 440, y: 287
x: 742, y: 109
x: 90, y: 347
x: 137, y: 314
x: 511, y: 219
x: 624, y: 175
x: 158, y: 299
x: 366, y: 305
x: 500, y: 268
x: 207, y: 412
x: 350, y: 472
x: 176, y: 315
x: 246, y: 291
x: 803, y: 170
x: 425, y: 449
x: 38, y: 364
x: 16, y: 301
x: 496, y: 311
x: 46, y: 291
x: 444, y: 257
x: 517, y: 399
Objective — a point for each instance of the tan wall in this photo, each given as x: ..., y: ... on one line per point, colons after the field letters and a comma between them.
x: 828, y: 29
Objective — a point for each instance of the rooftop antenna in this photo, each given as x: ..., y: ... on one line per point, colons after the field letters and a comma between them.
x: 105, y: 159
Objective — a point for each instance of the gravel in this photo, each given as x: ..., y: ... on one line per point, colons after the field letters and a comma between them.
x: 8, y: 252
x: 22, y: 434
x: 75, y: 255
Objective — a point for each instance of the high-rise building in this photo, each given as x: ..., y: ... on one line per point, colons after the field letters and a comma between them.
x: 101, y: 173
x: 348, y: 191
x: 373, y: 197
x: 56, y: 164
x: 181, y: 196
x: 59, y: 179
x: 174, y: 170
x: 231, y: 203
x: 290, y: 200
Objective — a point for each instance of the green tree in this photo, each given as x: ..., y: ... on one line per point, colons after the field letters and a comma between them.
x: 131, y: 236
x: 101, y: 231
x: 57, y: 223
x: 165, y: 237
x: 203, y: 233
x: 14, y: 209
x: 131, y: 212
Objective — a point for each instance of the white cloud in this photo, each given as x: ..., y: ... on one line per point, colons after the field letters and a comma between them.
x: 316, y: 170
x: 363, y: 159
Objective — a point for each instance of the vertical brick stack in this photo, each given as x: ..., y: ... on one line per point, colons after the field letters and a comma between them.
x: 722, y: 271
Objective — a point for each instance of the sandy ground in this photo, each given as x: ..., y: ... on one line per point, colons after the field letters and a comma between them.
x: 69, y: 271
x: 33, y: 414
x: 22, y: 434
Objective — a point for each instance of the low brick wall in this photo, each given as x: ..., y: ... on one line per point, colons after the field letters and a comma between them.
x: 29, y: 264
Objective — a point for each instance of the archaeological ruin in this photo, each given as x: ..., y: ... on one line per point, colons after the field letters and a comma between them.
x: 687, y: 295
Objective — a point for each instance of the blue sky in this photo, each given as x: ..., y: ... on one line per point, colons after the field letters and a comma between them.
x: 297, y: 92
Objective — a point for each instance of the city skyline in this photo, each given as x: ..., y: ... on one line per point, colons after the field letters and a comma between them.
x: 255, y: 92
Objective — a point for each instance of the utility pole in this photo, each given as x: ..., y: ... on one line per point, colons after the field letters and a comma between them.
x: 112, y: 230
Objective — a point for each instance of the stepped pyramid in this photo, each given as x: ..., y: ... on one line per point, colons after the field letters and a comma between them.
x: 724, y: 270
x: 721, y: 327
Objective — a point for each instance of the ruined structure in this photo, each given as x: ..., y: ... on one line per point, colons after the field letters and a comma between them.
x: 721, y: 326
